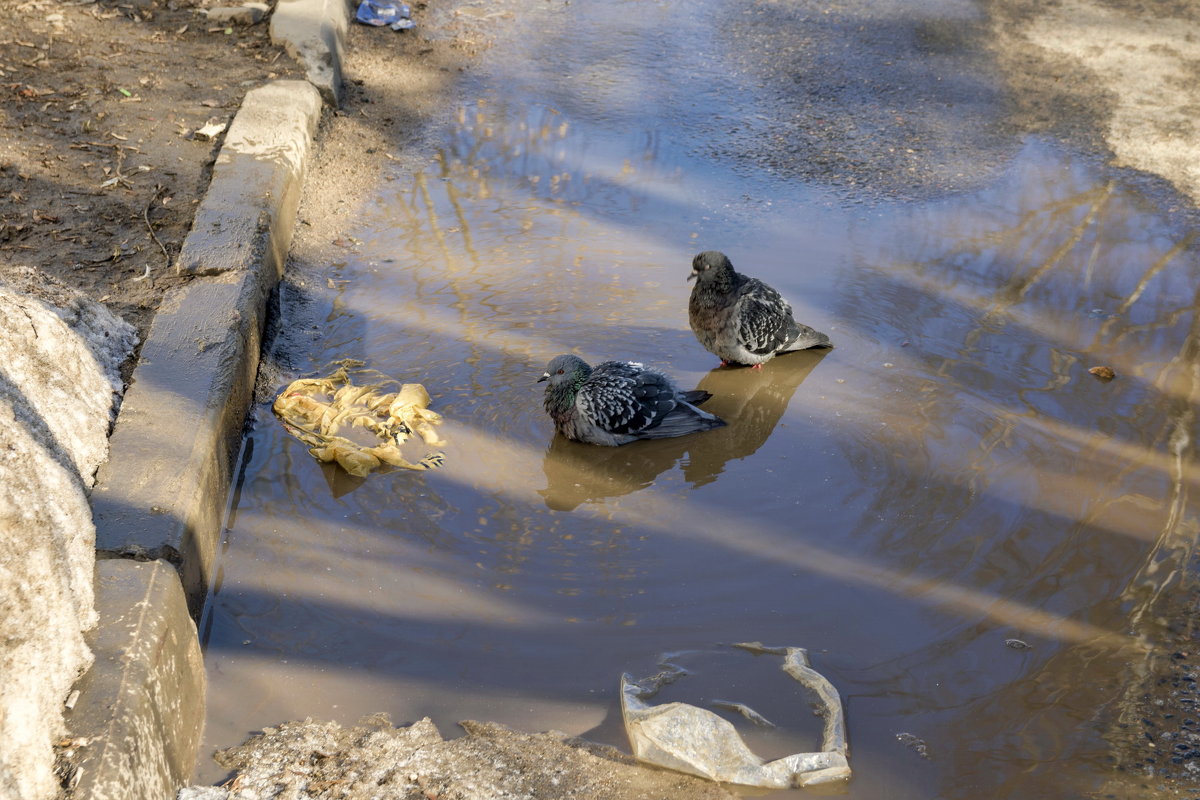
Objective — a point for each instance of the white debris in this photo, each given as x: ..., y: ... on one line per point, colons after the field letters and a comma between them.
x: 210, y: 130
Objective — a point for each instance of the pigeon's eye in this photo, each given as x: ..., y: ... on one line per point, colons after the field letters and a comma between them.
x: 560, y: 372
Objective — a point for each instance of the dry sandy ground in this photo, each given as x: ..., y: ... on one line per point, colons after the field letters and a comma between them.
x: 1123, y: 74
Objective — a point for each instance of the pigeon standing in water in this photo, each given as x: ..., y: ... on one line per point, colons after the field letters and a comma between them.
x: 618, y: 402
x: 741, y: 319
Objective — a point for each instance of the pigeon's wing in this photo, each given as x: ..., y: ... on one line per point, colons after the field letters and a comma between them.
x: 763, y: 317
x: 625, y: 398
x: 805, y: 337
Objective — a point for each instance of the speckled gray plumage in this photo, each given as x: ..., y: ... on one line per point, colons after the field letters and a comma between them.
x: 741, y: 319
x: 618, y: 402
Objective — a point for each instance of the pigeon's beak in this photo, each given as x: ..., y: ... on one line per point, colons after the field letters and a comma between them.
x: 545, y: 377
x: 694, y: 274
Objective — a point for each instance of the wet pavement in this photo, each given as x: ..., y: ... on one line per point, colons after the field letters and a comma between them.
x: 947, y: 484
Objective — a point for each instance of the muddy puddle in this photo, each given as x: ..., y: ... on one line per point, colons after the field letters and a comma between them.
x: 960, y: 522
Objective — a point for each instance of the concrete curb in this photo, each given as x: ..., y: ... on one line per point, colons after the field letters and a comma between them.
x: 141, y: 706
x: 163, y: 490
x: 314, y: 33
x: 162, y: 493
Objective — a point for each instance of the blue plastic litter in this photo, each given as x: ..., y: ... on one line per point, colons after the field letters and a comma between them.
x: 385, y: 12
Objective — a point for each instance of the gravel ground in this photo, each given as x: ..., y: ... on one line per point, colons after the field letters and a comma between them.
x: 374, y: 759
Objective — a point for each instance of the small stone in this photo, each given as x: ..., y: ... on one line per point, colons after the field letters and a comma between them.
x: 1103, y: 373
x: 203, y: 793
x: 248, y: 14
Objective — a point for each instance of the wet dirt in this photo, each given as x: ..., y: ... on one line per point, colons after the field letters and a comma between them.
x: 949, y: 477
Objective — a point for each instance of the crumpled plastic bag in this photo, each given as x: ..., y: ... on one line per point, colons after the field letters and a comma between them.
x: 694, y: 740
x: 318, y: 411
x: 395, y: 15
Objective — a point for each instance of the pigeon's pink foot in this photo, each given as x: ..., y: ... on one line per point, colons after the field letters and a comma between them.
x: 757, y: 366
x: 724, y: 363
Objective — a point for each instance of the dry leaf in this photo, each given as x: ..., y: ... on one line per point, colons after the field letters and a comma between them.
x: 211, y: 130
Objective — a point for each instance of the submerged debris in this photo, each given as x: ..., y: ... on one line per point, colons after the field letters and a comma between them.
x: 1103, y: 373
x: 914, y: 743
x: 746, y: 711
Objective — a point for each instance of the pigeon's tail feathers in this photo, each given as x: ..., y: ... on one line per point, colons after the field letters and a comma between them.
x: 806, y: 338
x: 685, y: 419
x: 696, y: 396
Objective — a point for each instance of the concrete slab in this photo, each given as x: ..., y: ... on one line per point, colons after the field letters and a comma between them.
x: 245, y: 219
x: 138, y: 720
x: 163, y: 491
x: 314, y: 33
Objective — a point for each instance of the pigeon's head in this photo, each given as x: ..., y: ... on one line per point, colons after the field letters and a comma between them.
x: 565, y: 370
x: 708, y: 264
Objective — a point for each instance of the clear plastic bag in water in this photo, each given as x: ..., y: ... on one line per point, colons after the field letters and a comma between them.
x: 694, y: 740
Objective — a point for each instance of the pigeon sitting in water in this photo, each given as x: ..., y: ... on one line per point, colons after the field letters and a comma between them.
x: 618, y: 402
x: 741, y: 319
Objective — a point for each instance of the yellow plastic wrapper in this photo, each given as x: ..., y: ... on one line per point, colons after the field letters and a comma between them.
x: 321, y: 411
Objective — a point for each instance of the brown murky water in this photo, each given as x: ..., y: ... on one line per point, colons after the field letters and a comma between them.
x: 950, y: 476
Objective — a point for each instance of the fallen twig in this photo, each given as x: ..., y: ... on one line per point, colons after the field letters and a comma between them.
x: 158, y: 190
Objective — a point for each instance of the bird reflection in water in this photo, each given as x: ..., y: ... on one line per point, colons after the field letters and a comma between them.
x: 751, y: 401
